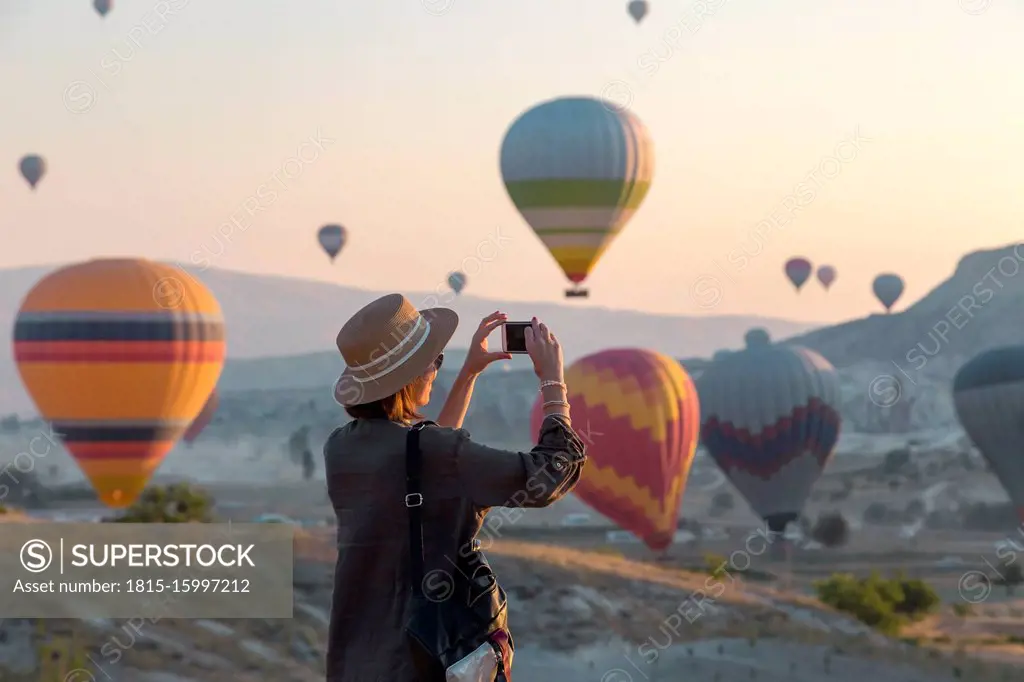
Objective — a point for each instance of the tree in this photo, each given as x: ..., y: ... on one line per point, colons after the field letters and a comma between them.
x: 722, y: 502
x: 10, y: 423
x: 177, y: 503
x: 876, y: 513
x: 915, y: 510
x: 1011, y: 577
x: 831, y: 530
x: 895, y: 460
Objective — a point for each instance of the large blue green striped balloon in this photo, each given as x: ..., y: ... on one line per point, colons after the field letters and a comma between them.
x: 577, y: 168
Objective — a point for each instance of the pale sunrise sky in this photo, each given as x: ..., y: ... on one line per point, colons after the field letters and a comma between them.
x: 181, y: 131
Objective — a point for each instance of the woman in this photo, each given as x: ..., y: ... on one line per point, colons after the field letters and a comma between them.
x: 392, y: 354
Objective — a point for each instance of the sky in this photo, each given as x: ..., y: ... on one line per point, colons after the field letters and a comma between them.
x: 168, y: 117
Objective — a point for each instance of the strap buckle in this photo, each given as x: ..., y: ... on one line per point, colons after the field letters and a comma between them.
x: 414, y: 500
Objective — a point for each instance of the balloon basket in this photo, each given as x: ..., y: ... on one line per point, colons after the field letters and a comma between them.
x: 577, y: 293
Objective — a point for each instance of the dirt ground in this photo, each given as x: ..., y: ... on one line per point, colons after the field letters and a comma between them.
x: 589, y: 604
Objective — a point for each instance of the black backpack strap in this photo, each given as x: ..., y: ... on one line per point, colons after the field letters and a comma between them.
x: 414, y: 504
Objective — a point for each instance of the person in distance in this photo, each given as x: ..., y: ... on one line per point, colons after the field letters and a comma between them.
x: 392, y: 354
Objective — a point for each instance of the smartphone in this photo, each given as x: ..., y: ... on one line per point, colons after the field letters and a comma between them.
x: 513, y: 337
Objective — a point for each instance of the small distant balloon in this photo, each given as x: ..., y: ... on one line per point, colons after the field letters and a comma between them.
x: 103, y: 6
x: 888, y: 288
x: 332, y: 239
x: 826, y: 275
x: 32, y: 168
x: 457, y: 281
x: 798, y: 270
x: 638, y: 10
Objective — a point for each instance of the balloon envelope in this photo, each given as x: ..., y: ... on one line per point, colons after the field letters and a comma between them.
x: 771, y: 421
x: 119, y: 355
x: 577, y: 168
x: 204, y: 418
x: 826, y: 275
x: 638, y: 10
x: 798, y: 270
x: 888, y: 288
x: 457, y: 281
x: 332, y: 238
x: 33, y: 168
x: 103, y: 6
x: 988, y: 393
x: 638, y: 413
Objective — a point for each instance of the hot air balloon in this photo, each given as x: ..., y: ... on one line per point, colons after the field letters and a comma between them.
x: 642, y: 420
x: 988, y: 393
x: 32, y: 168
x: 120, y: 355
x: 577, y: 168
x: 102, y: 6
x: 204, y: 418
x: 332, y: 238
x: 457, y: 281
x: 770, y: 422
x: 888, y: 288
x: 826, y: 275
x: 638, y: 10
x: 798, y: 270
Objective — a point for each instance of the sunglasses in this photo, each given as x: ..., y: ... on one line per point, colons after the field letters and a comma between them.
x: 438, y: 362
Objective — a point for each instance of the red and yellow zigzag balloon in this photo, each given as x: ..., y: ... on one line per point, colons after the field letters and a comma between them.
x: 639, y: 412
x: 600, y: 480
x: 647, y: 407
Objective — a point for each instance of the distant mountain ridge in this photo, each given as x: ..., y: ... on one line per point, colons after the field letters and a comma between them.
x: 309, y: 370
x: 270, y: 316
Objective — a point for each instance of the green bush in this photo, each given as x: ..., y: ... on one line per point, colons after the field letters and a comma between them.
x: 884, y: 604
x: 178, y: 503
x: 715, y: 564
x: 60, y: 656
x: 919, y: 599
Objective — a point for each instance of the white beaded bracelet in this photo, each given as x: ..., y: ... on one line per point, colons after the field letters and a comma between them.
x: 545, y: 384
x: 555, y: 402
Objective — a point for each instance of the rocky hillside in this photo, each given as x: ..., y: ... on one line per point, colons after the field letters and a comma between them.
x: 977, y: 308
x: 896, y: 367
x: 578, y: 616
x: 903, y: 361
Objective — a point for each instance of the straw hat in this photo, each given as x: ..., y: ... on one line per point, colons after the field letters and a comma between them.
x: 386, y: 345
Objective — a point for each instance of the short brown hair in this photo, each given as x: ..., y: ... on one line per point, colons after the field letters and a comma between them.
x: 397, y: 407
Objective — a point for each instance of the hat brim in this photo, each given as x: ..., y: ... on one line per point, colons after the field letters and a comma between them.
x: 349, y: 390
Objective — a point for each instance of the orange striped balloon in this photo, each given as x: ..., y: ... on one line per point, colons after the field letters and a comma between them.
x: 638, y: 413
x: 120, y: 355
